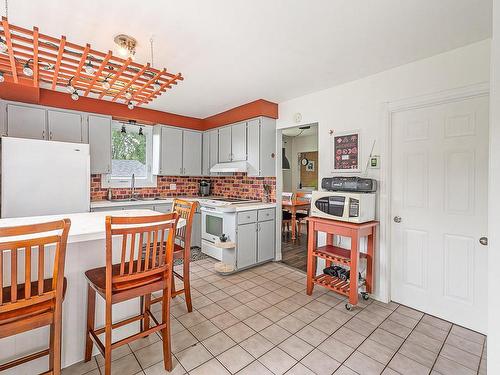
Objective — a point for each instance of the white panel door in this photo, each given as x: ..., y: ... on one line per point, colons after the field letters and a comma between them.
x: 65, y: 126
x: 439, y: 210
x: 191, y: 153
x: 239, y: 142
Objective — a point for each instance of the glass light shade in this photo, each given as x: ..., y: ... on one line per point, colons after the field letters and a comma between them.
x: 106, y: 85
x: 89, y: 69
x: 70, y: 89
x: 75, y: 96
x: 130, y: 105
x: 3, y: 46
x: 156, y: 85
x: 128, y: 95
x: 27, y: 70
x: 2, y: 78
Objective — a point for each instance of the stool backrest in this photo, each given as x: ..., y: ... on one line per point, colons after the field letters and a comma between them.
x: 146, y: 250
x: 26, y: 249
x: 185, y: 210
x: 301, y: 195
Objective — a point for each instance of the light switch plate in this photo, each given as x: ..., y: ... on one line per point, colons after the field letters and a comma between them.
x: 173, y: 186
x: 375, y: 162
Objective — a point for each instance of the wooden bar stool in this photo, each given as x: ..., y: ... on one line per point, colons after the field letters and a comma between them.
x: 142, y: 270
x: 33, y: 304
x: 182, y: 249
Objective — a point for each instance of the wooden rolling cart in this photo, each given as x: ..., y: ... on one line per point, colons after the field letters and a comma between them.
x: 344, y: 257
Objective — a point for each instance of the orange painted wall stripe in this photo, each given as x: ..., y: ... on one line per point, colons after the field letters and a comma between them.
x: 29, y: 94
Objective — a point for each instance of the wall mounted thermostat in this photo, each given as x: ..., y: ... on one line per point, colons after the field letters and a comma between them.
x: 297, y: 117
x: 375, y: 162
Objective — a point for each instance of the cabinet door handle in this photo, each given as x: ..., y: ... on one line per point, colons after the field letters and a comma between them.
x: 180, y: 170
x: 43, y: 134
x: 50, y: 135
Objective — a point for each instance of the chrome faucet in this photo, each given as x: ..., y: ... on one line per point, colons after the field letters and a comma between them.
x: 132, y: 187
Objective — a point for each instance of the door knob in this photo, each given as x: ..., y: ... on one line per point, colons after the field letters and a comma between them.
x: 483, y: 241
x: 397, y: 219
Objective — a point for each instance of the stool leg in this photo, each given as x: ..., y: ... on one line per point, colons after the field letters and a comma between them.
x: 107, y: 340
x: 146, y: 308
x: 187, y: 285
x: 165, y: 332
x: 90, y: 322
x: 55, y: 347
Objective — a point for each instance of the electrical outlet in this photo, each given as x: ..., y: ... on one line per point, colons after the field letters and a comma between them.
x: 173, y: 186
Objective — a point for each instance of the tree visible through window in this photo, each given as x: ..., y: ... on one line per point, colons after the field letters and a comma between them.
x: 129, y: 152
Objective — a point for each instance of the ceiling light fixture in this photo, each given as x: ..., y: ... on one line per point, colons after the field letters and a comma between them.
x: 130, y: 105
x: 89, y: 69
x: 27, y: 69
x: 105, y: 84
x: 140, y: 131
x: 123, y: 131
x: 128, y: 95
x: 2, y: 78
x: 75, y: 96
x: 126, y: 45
x: 156, y: 85
x: 70, y: 87
x: 3, y: 45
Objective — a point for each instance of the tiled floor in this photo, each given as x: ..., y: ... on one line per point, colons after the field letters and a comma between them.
x: 261, y: 322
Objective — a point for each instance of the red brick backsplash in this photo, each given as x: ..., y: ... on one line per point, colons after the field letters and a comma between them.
x: 238, y: 185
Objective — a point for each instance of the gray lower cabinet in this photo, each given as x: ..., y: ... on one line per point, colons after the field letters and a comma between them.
x: 265, y: 244
x: 256, y: 237
x: 100, y: 144
x: 246, y: 245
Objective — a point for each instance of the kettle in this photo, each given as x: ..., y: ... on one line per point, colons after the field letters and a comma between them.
x: 204, y: 189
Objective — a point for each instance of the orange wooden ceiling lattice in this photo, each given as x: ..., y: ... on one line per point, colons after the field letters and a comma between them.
x: 56, y: 61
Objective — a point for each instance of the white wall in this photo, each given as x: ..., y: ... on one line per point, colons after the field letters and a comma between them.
x: 301, y: 144
x: 494, y: 201
x: 359, y: 105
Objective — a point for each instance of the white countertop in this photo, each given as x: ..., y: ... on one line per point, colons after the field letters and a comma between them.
x: 87, y: 226
x: 253, y: 206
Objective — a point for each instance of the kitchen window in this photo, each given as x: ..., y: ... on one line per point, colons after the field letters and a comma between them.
x: 132, y: 153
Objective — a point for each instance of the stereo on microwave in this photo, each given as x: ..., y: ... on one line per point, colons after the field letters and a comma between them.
x: 343, y: 206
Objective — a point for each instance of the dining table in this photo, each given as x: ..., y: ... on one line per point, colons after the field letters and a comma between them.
x: 293, y: 205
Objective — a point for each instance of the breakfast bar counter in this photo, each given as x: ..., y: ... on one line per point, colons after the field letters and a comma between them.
x: 85, y: 250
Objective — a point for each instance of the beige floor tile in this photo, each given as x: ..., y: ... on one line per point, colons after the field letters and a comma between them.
x: 191, y: 319
x: 210, y: 311
x: 363, y: 364
x: 159, y: 369
x: 175, y: 326
x: 212, y: 367
x: 410, y: 312
x: 257, y: 322
x: 336, y: 349
x: 142, y: 343
x: 395, y: 328
x: 460, y: 356
x: 403, y: 320
x: 368, y: 317
x: 182, y: 340
x: 407, y: 366
x: 256, y: 345
x: 224, y: 320
x: 469, y: 346
x: 242, y: 312
x: 291, y: 324
x: 126, y: 365
x: 287, y: 306
x: 418, y: 353
x: 436, y: 322
x: 245, y: 296
x: 425, y: 341
x: 150, y: 355
x: 255, y: 368
x: 320, y: 363
x: 296, y: 347
x: 467, y: 334
x: 304, y: 314
x: 233, y: 289
x: 338, y: 316
x: 206, y: 288
x: 204, y: 330
x: 258, y: 304
x: 218, y: 343
x: 193, y: 356
x: 275, y: 334
x: 239, y: 332
x: 349, y: 337
x: 360, y: 326
x: 311, y: 335
x: 431, y: 331
x: 80, y: 368
x: 317, y: 307
x: 273, y: 313
x: 259, y: 291
x: 377, y: 351
x: 325, y: 325
x: 299, y: 369
x: 118, y: 353
x: 387, y: 339
x: 329, y: 300
x: 229, y: 303
x: 217, y: 295
x: 277, y: 361
x: 344, y: 370
x: 235, y: 359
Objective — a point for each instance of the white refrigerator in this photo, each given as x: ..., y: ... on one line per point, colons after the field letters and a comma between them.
x: 44, y: 177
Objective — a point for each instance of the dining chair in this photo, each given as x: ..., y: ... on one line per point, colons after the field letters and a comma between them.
x: 302, y: 214
x: 182, y: 249
x: 286, y: 216
x: 34, y: 301
x: 141, y: 271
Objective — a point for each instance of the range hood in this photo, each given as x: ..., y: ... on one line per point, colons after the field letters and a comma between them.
x: 230, y: 167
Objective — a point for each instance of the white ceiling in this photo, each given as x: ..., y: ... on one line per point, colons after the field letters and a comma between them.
x: 297, y: 132
x: 235, y: 51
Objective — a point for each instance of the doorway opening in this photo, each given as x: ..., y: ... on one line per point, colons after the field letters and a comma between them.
x: 299, y: 172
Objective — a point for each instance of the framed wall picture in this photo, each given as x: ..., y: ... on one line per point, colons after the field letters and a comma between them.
x: 346, y: 151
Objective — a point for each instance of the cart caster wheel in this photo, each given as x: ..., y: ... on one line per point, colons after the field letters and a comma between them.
x: 348, y: 307
x: 365, y: 296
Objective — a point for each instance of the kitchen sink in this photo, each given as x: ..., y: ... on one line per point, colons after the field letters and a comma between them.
x: 123, y: 199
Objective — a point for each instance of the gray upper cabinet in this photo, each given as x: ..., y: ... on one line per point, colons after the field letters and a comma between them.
x: 26, y: 122
x: 205, y: 156
x: 247, y: 245
x: 265, y: 243
x: 214, y: 148
x: 261, y: 145
x: 65, y: 126
x: 100, y: 144
x: 239, y: 142
x: 225, y: 144
x: 191, y: 153
x: 253, y: 139
x: 167, y: 148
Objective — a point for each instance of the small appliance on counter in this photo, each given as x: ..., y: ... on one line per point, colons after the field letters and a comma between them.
x: 350, y: 199
x: 204, y: 189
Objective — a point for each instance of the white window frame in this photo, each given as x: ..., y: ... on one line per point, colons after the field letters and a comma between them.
x: 125, y: 182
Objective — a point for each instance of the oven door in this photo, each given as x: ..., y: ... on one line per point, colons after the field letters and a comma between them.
x: 212, y: 224
x: 330, y: 206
